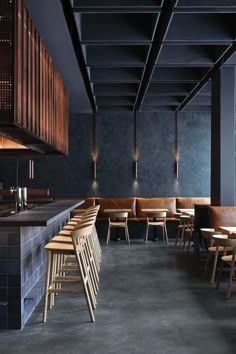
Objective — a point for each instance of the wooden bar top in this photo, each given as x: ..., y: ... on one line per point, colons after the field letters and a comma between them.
x: 42, y: 215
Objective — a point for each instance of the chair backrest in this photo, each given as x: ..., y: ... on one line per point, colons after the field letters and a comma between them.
x: 177, y: 215
x: 157, y: 214
x: 207, y: 234
x: 225, y: 241
x: 79, y: 233
x: 118, y: 215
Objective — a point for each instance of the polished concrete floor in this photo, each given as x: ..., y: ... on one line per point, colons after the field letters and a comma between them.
x: 152, y: 300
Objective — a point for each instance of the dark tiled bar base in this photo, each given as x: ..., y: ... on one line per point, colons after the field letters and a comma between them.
x: 22, y: 269
x: 152, y: 299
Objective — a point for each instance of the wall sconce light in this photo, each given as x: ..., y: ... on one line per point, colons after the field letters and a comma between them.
x: 94, y: 166
x: 31, y: 169
x: 176, y: 147
x: 135, y: 147
x: 177, y: 168
x: 94, y: 154
x: 136, y: 168
x: 94, y: 169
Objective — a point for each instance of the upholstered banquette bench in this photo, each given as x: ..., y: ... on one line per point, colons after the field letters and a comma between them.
x: 137, y: 219
x: 221, y: 216
x: 137, y: 204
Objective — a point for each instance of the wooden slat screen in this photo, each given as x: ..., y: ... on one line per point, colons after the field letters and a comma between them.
x: 31, y: 90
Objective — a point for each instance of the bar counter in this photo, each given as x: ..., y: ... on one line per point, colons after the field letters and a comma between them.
x: 23, y: 259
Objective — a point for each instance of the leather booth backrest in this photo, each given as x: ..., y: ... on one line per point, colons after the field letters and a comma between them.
x: 88, y: 202
x: 222, y: 216
x: 37, y: 192
x: 116, y: 203
x: 159, y: 203
x: 188, y: 202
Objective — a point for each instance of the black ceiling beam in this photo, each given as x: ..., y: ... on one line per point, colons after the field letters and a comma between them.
x: 159, y: 36
x: 220, y: 62
x: 206, y: 10
x: 75, y: 38
x: 110, y: 6
x: 202, y: 3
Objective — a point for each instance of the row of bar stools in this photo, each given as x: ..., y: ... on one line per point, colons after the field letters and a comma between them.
x: 78, y: 250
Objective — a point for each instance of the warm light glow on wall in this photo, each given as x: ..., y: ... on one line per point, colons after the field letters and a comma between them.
x: 176, y: 147
x: 94, y: 153
x: 9, y: 144
x: 136, y: 165
x: 94, y: 158
x: 135, y: 147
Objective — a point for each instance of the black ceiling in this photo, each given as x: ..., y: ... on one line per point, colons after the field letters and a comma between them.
x: 150, y: 55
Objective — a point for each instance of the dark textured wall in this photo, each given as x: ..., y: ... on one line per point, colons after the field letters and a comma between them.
x: 73, y: 175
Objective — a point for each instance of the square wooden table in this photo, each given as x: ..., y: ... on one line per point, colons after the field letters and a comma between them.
x: 110, y: 211
x: 187, y: 211
x: 154, y: 210
x: 228, y: 229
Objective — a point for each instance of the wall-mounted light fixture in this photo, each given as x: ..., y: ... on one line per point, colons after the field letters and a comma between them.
x: 94, y: 166
x: 176, y: 147
x: 135, y: 148
x: 31, y: 169
x: 94, y: 154
x: 177, y: 168
x: 136, y: 167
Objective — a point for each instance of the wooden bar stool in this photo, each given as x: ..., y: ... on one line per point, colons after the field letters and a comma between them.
x: 93, y: 238
x: 55, y: 277
x: 89, y: 251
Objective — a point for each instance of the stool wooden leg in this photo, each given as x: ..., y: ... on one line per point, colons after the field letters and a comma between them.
x: 207, y: 262
x: 182, y: 235
x: 220, y: 275
x: 47, y: 283
x: 166, y: 234
x: 230, y: 280
x: 53, y: 272
x: 108, y: 234
x: 214, y: 267
x: 127, y: 234
x: 146, y: 238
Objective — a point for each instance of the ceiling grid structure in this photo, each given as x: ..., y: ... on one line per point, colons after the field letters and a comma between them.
x: 154, y: 55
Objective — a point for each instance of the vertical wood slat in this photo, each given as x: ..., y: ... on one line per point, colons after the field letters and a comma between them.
x: 33, y: 92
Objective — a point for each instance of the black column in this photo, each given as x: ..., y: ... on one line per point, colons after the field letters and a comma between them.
x: 222, y: 138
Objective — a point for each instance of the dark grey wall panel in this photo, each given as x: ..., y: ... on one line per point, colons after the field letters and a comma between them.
x: 72, y: 176
x: 194, y: 153
x: 156, y: 142
x: 115, y: 132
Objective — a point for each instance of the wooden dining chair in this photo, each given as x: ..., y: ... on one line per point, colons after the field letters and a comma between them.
x: 118, y: 220
x: 213, y: 251
x: 226, y: 243
x: 157, y: 219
